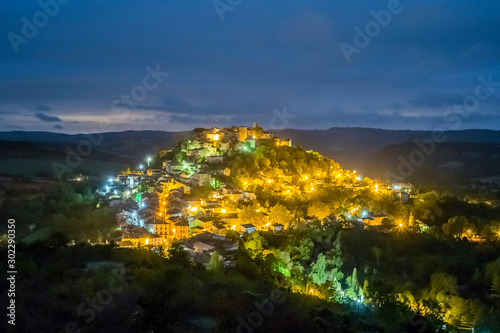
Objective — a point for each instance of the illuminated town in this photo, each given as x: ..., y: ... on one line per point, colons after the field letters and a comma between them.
x: 244, y: 166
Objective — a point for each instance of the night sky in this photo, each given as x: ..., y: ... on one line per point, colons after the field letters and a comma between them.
x: 279, y: 63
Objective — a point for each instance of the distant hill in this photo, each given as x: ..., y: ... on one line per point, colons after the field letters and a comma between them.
x: 351, y: 146
x: 451, y: 163
x: 126, y: 146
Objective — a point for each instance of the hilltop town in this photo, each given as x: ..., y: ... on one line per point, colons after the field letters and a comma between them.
x: 232, y: 181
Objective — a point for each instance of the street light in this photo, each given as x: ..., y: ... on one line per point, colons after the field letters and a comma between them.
x: 141, y: 166
x: 149, y: 160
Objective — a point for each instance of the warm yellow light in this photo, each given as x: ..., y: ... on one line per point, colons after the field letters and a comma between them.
x: 246, y: 183
x: 287, y: 191
x: 269, y: 180
x: 258, y: 210
x: 223, y: 210
x: 202, y: 202
x: 216, y: 137
x: 401, y: 224
x: 305, y: 177
x: 159, y: 214
x: 312, y: 188
x: 354, y: 171
x: 173, y: 230
x: 338, y: 175
x: 194, y: 209
x: 233, y: 227
x: 147, y: 241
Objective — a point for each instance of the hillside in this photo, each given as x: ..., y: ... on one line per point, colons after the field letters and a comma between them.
x: 371, y: 151
x: 451, y: 163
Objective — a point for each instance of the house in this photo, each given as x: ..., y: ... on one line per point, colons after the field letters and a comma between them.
x: 179, y: 227
x: 201, y: 222
x: 153, y: 172
x: 215, y: 160
x: 207, y: 242
x: 277, y: 228
x: 249, y: 228
x: 160, y: 228
x: 374, y: 220
x: 200, y: 178
x: 403, y: 196
x: 140, y: 238
x: 215, y: 134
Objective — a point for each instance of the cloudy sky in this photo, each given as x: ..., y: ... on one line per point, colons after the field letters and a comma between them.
x: 279, y: 63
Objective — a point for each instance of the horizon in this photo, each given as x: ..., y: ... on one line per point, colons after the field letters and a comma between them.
x: 174, y: 66
x: 271, y: 130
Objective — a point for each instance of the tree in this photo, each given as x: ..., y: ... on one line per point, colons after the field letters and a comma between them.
x: 177, y: 255
x: 216, y: 262
x: 249, y: 214
x: 318, y: 270
x: 458, y: 225
x: 353, y: 289
x: 319, y: 210
x: 495, y: 286
x: 279, y: 214
x: 255, y: 244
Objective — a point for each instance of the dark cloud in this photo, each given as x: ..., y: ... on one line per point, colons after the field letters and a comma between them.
x: 436, y: 101
x: 42, y: 107
x: 44, y: 117
x: 263, y: 55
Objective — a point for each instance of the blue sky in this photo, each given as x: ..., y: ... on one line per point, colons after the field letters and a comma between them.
x: 263, y: 58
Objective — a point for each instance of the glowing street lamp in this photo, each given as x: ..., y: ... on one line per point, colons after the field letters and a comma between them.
x: 141, y: 166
